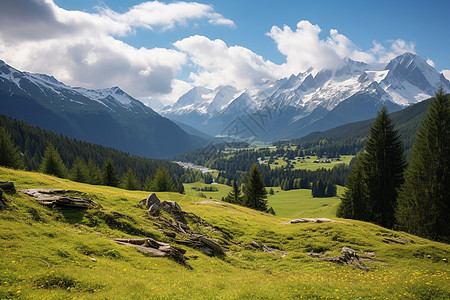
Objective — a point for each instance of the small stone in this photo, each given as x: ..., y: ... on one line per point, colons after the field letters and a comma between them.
x: 255, y: 244
x: 444, y: 260
x: 428, y: 256
x: 93, y: 259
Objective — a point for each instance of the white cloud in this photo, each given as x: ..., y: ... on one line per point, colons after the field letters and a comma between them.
x: 395, y: 48
x: 304, y: 49
x: 83, y: 49
x: 218, y: 64
x: 158, y: 14
x: 446, y: 74
x: 430, y: 62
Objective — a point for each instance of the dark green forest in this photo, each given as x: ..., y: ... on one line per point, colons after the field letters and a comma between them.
x: 33, y: 141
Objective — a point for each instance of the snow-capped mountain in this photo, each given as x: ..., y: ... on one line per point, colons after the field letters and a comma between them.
x: 310, y: 101
x: 109, y: 116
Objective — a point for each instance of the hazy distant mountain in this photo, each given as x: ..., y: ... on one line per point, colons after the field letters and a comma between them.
x: 311, y: 101
x: 109, y: 117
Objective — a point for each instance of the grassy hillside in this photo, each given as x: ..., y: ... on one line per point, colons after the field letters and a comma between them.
x: 299, y: 203
x: 46, y: 253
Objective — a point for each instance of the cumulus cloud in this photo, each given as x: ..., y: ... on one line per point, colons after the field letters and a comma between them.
x: 304, y: 49
x: 218, y: 64
x: 166, y: 16
x: 83, y: 49
x: 384, y: 53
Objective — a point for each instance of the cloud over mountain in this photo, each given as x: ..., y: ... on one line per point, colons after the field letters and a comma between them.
x: 91, y: 49
x: 85, y: 49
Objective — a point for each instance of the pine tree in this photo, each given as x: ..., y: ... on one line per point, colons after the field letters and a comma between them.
x: 162, y: 182
x: 424, y: 200
x: 255, y: 191
x: 234, y: 196
x: 9, y: 154
x: 52, y: 163
x: 129, y: 181
x: 109, y: 176
x: 384, y: 164
x: 318, y: 188
x: 148, y: 184
x: 94, y: 173
x: 330, y: 190
x: 178, y: 184
x: 79, y: 171
x: 355, y: 202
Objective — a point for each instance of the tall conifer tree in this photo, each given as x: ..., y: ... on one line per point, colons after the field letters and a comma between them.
x: 378, y: 173
x: 255, y: 192
x: 52, y: 163
x: 162, y: 182
x: 79, y: 171
x: 384, y: 163
x: 424, y: 200
x: 9, y: 154
x: 129, y: 181
x: 234, y: 196
x: 109, y: 174
x: 355, y: 203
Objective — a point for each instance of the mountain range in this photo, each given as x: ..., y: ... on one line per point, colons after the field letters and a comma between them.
x: 311, y: 101
x: 273, y: 110
x: 108, y: 117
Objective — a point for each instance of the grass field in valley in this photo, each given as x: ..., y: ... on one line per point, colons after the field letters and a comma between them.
x: 309, y: 164
x: 46, y: 253
x: 299, y: 203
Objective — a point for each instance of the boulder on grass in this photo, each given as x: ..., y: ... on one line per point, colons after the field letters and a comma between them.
x: 171, y: 206
x: 151, y: 199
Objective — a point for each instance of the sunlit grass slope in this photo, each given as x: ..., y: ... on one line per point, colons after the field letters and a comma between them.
x: 300, y: 203
x: 46, y: 253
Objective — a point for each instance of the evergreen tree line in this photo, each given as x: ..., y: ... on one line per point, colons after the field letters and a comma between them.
x: 350, y: 139
x: 254, y: 192
x: 383, y: 190
x: 32, y: 143
x: 81, y: 171
x: 235, y: 166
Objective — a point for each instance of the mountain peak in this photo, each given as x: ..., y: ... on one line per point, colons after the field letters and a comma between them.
x: 416, y: 73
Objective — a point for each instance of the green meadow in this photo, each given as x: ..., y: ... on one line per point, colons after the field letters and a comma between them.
x: 299, y: 203
x: 306, y: 163
x: 49, y: 253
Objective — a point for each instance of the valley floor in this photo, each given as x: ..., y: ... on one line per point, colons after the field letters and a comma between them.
x: 49, y: 253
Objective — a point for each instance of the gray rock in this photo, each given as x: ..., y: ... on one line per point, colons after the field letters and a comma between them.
x: 171, y: 206
x: 151, y: 199
x: 154, y: 209
x: 255, y: 244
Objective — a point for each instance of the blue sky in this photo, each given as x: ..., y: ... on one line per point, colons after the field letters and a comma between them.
x: 158, y: 50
